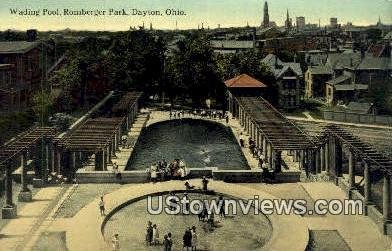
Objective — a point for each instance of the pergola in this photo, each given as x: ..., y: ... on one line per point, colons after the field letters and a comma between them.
x: 272, y: 131
x: 25, y: 141
x: 127, y: 106
x: 22, y: 147
x: 127, y: 101
x: 280, y: 132
x: 100, y: 136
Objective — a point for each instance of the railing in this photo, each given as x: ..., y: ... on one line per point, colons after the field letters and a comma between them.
x: 350, y: 117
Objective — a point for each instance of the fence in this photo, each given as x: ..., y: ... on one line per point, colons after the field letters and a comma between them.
x: 357, y: 118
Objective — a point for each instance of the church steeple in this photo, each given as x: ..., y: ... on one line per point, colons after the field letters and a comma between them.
x: 288, y: 23
x: 265, y: 23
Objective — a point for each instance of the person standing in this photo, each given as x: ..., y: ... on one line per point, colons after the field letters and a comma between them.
x: 115, y: 242
x: 149, y: 233
x: 186, y: 203
x: 102, y: 206
x: 194, y: 239
x: 155, y: 235
x: 153, y: 172
x: 221, y: 204
x: 187, y: 239
x: 168, y: 242
x: 242, y: 140
x: 205, y: 183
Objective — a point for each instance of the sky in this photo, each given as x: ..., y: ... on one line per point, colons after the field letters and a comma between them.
x: 227, y: 13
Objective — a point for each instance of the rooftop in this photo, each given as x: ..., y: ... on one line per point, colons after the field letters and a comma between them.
x: 375, y: 63
x: 278, y: 68
x: 244, y: 81
x: 320, y: 70
x: 231, y: 44
x: 17, y: 47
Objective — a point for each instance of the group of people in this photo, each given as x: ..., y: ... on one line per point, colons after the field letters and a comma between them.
x: 152, y: 234
x: 161, y: 170
x: 190, y: 239
x: 211, y: 114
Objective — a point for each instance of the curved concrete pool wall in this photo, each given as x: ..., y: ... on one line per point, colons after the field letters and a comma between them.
x: 118, y: 208
x: 290, y: 232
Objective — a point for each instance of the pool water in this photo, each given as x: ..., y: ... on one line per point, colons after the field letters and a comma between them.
x: 199, y: 143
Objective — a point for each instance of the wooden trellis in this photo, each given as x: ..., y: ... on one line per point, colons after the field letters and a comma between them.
x: 25, y: 141
x: 93, y: 135
x: 276, y: 128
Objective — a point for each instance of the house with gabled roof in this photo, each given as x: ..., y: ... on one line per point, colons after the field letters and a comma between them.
x: 289, y: 77
x: 243, y: 85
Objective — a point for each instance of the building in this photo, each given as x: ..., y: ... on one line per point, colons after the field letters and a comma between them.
x: 333, y: 22
x: 242, y: 85
x: 300, y: 23
x: 288, y: 24
x: 20, y: 61
x: 315, y: 79
x: 344, y: 89
x: 288, y: 78
x: 266, y: 22
x: 231, y: 46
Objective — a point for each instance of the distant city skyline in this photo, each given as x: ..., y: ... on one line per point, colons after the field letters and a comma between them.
x: 226, y: 13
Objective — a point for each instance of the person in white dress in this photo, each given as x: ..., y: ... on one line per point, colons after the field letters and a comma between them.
x: 115, y: 243
x: 155, y: 234
x: 153, y: 173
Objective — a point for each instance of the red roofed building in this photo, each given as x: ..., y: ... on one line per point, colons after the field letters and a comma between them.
x: 243, y: 85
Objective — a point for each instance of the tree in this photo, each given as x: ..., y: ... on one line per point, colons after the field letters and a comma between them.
x: 42, y: 106
x: 192, y: 71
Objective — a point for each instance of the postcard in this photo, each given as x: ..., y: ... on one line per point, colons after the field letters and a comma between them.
x: 195, y: 125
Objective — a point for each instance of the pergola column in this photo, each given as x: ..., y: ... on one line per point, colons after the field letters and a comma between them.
x: 52, y: 158
x: 278, y: 161
x: 58, y: 158
x: 386, y: 198
x: 326, y: 158
x: 302, y: 159
x: 114, y: 147
x: 109, y: 153
x: 312, y: 160
x: 73, y: 163
x: 351, y: 170
x: 318, y: 161
x: 367, y: 184
x: 9, y: 210
x: 104, y: 158
x: 332, y: 156
x: 270, y: 150
x: 322, y: 158
x: 265, y: 146
x: 25, y: 194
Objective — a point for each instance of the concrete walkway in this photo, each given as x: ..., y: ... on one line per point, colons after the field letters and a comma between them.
x: 17, y: 232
